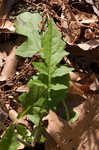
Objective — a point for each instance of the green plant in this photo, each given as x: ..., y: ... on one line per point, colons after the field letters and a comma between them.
x: 47, y: 88
x: 27, y: 25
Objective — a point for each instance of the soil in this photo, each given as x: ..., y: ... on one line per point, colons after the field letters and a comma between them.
x: 83, y: 91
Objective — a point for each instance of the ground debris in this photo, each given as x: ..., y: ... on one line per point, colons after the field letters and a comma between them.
x: 77, y: 26
x: 78, y: 21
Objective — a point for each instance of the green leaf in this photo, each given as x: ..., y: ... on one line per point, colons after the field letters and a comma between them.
x: 52, y: 52
x: 61, y: 80
x: 24, y: 112
x: 39, y: 83
x: 58, y: 86
x: 41, y: 67
x: 52, y: 46
x: 35, y: 118
x: 41, y: 139
x: 27, y: 25
x: 22, y: 131
x: 9, y: 140
x: 57, y: 97
x: 40, y: 102
x: 61, y: 71
x: 38, y: 110
x: 35, y: 92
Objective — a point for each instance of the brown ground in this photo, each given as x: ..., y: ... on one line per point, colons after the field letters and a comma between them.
x: 83, y: 94
x: 84, y: 133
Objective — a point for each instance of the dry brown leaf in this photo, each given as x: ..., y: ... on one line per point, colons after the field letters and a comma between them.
x: 13, y: 116
x: 95, y: 5
x: 3, y: 57
x: 84, y: 17
x: 89, y: 45
x: 77, y: 25
x: 56, y: 129
x: 8, y: 25
x: 23, y: 88
x: 50, y: 144
x: 10, y: 66
x: 78, y: 89
x: 3, y: 115
x: 76, y: 76
x: 5, y: 7
x: 69, y: 25
x: 82, y: 84
x: 94, y: 85
x: 2, y: 7
x: 71, y: 137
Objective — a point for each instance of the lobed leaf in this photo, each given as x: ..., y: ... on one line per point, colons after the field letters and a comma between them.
x: 40, y: 66
x: 58, y: 87
x: 27, y: 25
x: 34, y: 118
x: 61, y: 71
x: 52, y: 46
x: 36, y: 91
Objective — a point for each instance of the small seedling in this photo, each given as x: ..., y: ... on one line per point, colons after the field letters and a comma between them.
x: 46, y: 89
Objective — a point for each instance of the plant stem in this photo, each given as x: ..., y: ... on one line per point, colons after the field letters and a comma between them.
x: 49, y: 80
x: 24, y: 142
x: 67, y: 111
x: 36, y: 134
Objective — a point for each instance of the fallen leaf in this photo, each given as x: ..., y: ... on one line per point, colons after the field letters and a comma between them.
x: 13, y: 116
x: 27, y: 25
x: 70, y: 27
x: 9, y: 26
x: 94, y: 85
x: 23, y: 88
x: 89, y: 45
x: 10, y: 66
